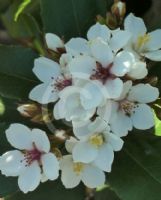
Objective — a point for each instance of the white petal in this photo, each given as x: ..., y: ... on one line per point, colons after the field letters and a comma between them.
x: 84, y: 152
x: 105, y: 158
x: 41, y: 140
x: 135, y: 25
x: 30, y: 178
x: 98, y: 30
x: 46, y: 69
x: 80, y: 128
x: 53, y: 41
x: 93, y: 177
x: 19, y: 136
x: 116, y: 43
x: 154, y: 42
x: 143, y: 117
x: 101, y: 51
x: 58, y: 111
x: 69, y: 178
x: 143, y: 93
x: 153, y: 55
x: 82, y: 66
x: 120, y: 123
x: 77, y: 46
x: 138, y: 70
x: 114, y: 88
x: 105, y: 111
x: 122, y: 63
x: 70, y: 144
x: 43, y: 94
x: 115, y: 141
x: 50, y: 166
x: 126, y: 88
x: 11, y: 163
x: 91, y: 95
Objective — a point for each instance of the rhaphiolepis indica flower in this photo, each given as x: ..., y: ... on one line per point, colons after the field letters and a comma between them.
x: 32, y: 162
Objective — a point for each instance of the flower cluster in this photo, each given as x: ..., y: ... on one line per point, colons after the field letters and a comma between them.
x: 98, y: 85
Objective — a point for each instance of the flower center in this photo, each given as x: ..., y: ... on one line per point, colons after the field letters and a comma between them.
x: 61, y: 83
x: 96, y: 140
x: 142, y: 40
x: 127, y: 107
x: 78, y: 167
x: 101, y: 73
x: 32, y: 155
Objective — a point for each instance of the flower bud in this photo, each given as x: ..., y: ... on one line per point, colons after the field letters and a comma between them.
x: 119, y: 9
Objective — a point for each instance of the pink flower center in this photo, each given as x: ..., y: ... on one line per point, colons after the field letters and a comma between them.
x: 32, y: 155
x: 101, y: 73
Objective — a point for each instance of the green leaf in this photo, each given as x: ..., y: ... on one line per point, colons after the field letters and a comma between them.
x: 21, y: 7
x: 106, y: 194
x: 52, y: 190
x: 25, y: 27
x: 136, y: 173
x: 157, y: 126
x: 70, y: 18
x: 16, y: 74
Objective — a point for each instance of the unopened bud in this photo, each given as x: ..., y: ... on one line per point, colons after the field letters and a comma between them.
x: 119, y: 9
x: 28, y: 110
x: 100, y: 19
x: 111, y: 20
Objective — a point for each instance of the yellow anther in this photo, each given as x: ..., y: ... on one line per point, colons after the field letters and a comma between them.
x: 142, y: 40
x: 78, y: 167
x: 96, y: 140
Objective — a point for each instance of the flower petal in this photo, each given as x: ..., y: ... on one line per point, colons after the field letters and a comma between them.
x: 82, y: 66
x: 153, y: 55
x: 154, y: 43
x: 19, y: 136
x: 30, y: 178
x: 53, y: 41
x: 70, y: 144
x: 41, y: 140
x: 138, y: 70
x: 101, y: 51
x: 50, y: 166
x: 115, y: 141
x: 105, y: 158
x: 68, y: 177
x: 115, y: 42
x: 143, y: 93
x: 122, y: 63
x: 11, y: 163
x: 43, y: 94
x: 143, y: 117
x: 77, y: 46
x: 99, y: 30
x: 135, y: 25
x: 126, y: 88
x: 84, y: 152
x: 114, y: 88
x: 93, y: 177
x: 120, y: 123
x: 46, y: 69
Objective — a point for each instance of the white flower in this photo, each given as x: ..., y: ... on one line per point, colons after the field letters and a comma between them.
x: 54, y: 42
x: 75, y: 172
x: 97, y: 146
x: 33, y: 162
x: 145, y: 44
x: 78, y: 102
x: 131, y: 108
x: 103, y: 67
x: 50, y: 73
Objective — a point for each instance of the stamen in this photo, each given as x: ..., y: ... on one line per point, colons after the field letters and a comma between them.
x: 78, y: 168
x: 61, y: 83
x: 96, y: 140
x: 127, y: 106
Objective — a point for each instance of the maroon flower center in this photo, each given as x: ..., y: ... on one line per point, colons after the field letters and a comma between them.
x: 102, y: 73
x: 32, y: 155
x: 61, y: 83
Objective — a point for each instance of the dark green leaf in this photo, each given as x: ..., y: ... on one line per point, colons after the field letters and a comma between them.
x: 51, y: 191
x: 136, y: 174
x: 106, y: 194
x: 70, y: 18
x: 16, y: 71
